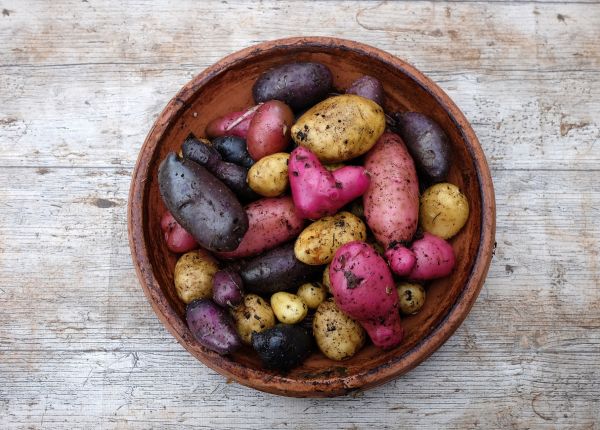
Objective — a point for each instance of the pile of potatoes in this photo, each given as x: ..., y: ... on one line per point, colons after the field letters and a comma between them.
x: 300, y: 219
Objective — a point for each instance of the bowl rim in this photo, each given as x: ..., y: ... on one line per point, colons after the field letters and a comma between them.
x: 334, y: 385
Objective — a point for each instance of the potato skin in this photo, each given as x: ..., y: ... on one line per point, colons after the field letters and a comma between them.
x: 202, y: 204
x: 369, y: 88
x: 276, y: 270
x: 212, y: 326
x: 269, y: 130
x: 272, y: 221
x: 391, y: 203
x: 340, y: 128
x: 318, y: 242
x: 299, y: 84
x: 269, y: 176
x: 254, y: 315
x: 444, y: 210
x: 221, y: 126
x: 194, y: 272
x: 338, y: 336
x: 426, y: 142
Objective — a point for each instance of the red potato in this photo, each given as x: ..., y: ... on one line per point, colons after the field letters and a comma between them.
x: 231, y: 124
x: 316, y: 191
x: 269, y: 131
x: 363, y: 288
x: 178, y: 240
x: 272, y: 221
x: 401, y: 259
x: 392, y: 201
x: 435, y: 258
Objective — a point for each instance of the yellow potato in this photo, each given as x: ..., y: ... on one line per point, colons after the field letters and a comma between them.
x: 288, y: 308
x: 252, y: 316
x: 269, y: 175
x: 333, y: 167
x: 337, y: 335
x: 318, y: 242
x: 326, y: 280
x: 443, y: 210
x: 411, y: 297
x: 313, y: 294
x: 194, y: 274
x: 340, y: 128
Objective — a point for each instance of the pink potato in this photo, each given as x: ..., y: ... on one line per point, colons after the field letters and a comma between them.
x: 392, y: 201
x: 178, y: 240
x: 269, y: 131
x: 272, y: 221
x: 401, y: 259
x: 316, y: 191
x: 231, y: 124
x: 435, y: 258
x: 363, y: 288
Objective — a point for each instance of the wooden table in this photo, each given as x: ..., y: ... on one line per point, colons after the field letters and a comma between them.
x: 81, y: 83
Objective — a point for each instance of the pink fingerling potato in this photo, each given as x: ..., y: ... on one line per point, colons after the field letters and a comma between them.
x: 401, y: 259
x: 177, y: 238
x: 231, y: 124
x: 272, y: 221
x: 435, y: 258
x: 316, y: 191
x: 269, y: 131
x: 392, y: 201
x: 363, y: 288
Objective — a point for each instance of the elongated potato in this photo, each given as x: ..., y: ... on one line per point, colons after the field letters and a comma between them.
x: 252, y: 316
x: 194, y: 274
x: 340, y: 128
x: 392, y: 200
x: 319, y: 241
x: 269, y: 176
x: 338, y: 336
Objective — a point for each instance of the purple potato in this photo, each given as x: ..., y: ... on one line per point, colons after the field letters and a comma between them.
x: 426, y: 142
x: 299, y: 85
x: 212, y: 326
x: 276, y: 270
x: 231, y: 174
x: 233, y: 149
x: 283, y: 347
x: 227, y: 288
x: 202, y: 204
x: 369, y: 88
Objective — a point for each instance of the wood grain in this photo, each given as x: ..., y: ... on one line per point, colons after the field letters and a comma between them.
x: 81, y: 348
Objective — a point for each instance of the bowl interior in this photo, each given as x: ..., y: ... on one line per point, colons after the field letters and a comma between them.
x: 227, y: 87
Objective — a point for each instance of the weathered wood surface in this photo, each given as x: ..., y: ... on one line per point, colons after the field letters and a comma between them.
x: 80, y: 85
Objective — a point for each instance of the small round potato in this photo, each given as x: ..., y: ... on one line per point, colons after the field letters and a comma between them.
x: 444, y: 210
x: 194, y: 274
x: 288, y: 308
x: 326, y: 280
x: 412, y: 297
x: 269, y: 176
x: 312, y: 293
x: 337, y: 335
x: 252, y: 316
x: 318, y: 242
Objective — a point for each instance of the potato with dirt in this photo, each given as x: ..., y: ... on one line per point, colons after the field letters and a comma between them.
x: 340, y: 128
x: 212, y: 327
x: 269, y: 131
x: 269, y: 176
x: 444, y: 210
x: 367, y: 87
x: 338, y: 336
x: 252, y: 316
x: 194, y: 272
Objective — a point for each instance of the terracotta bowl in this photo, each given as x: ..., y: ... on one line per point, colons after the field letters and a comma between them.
x: 226, y: 86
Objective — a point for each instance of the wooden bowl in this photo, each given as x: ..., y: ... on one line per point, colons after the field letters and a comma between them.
x: 226, y: 86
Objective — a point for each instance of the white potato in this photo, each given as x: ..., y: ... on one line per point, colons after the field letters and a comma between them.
x: 194, y: 272
x: 252, y: 316
x: 337, y: 335
x: 288, y: 308
x: 313, y: 294
x: 443, y: 210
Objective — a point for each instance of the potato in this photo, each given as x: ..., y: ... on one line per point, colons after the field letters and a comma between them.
x: 435, y: 258
x: 288, y: 307
x: 283, y: 347
x: 269, y: 130
x: 299, y: 85
x: 269, y: 176
x: 337, y: 335
x: 340, y: 128
x: 178, y: 240
x: 212, y: 326
x: 367, y: 87
x: 319, y: 241
x: 233, y: 149
x: 231, y: 124
x: 202, y: 204
x: 194, y: 274
x: 411, y: 297
x: 326, y: 280
x: 313, y: 294
x: 252, y: 316
x: 443, y: 210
